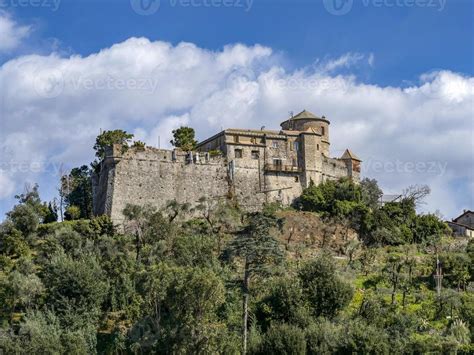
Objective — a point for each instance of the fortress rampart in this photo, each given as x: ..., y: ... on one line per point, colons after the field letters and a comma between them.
x: 252, y: 167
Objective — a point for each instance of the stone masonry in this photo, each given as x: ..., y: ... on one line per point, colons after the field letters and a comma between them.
x: 250, y: 166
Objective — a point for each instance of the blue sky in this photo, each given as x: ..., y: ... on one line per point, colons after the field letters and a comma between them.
x: 397, y: 80
x: 406, y: 40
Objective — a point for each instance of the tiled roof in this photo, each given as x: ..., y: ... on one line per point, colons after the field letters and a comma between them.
x: 349, y: 155
x: 464, y: 213
x: 303, y: 115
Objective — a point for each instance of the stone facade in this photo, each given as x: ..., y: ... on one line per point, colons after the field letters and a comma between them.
x: 251, y: 166
x: 463, y: 225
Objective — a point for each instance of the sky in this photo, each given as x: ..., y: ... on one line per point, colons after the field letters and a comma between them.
x: 394, y: 77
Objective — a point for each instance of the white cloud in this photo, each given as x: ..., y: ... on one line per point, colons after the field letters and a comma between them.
x: 11, y: 33
x: 53, y: 107
x: 7, y: 185
x: 161, y: 135
x: 345, y: 61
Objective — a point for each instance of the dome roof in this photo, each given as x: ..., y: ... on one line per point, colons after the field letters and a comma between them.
x: 306, y: 115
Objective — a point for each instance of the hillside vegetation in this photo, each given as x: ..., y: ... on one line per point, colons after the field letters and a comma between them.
x: 337, y: 273
x: 342, y: 276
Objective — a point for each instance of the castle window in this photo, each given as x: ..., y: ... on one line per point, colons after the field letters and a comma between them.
x: 274, y: 144
x: 255, y: 154
x: 253, y: 140
x: 278, y: 162
x: 317, y: 146
x: 236, y: 139
x: 238, y: 153
x: 322, y: 131
x: 296, y: 146
x: 297, y: 179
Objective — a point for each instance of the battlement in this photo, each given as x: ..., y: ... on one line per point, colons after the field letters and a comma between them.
x: 116, y: 152
x: 250, y: 166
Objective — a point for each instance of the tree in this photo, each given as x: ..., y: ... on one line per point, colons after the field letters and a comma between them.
x: 325, y: 291
x: 323, y: 337
x: 29, y: 212
x: 428, y: 226
x: 258, y: 249
x: 77, y: 190
x: 72, y: 213
x: 183, y: 138
x: 371, y: 192
x: 23, y: 290
x: 284, y: 339
x: 362, y: 338
x: 75, y: 288
x: 220, y: 216
x: 12, y: 242
x: 393, y: 273
x: 148, y: 227
x: 39, y: 333
x: 24, y: 218
x: 416, y: 193
x: 173, y: 209
x: 109, y: 138
x: 284, y: 304
x: 181, y: 305
x: 52, y: 215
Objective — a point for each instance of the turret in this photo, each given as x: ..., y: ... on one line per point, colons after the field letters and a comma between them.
x: 352, y: 163
x: 306, y: 121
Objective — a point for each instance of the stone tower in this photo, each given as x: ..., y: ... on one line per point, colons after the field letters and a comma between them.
x: 314, y: 133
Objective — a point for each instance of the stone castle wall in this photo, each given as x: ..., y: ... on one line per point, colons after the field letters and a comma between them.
x: 156, y: 176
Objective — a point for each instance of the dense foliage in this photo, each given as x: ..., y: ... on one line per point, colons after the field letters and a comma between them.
x: 212, y: 279
x: 184, y: 138
x: 76, y: 191
x: 391, y: 223
x: 109, y: 138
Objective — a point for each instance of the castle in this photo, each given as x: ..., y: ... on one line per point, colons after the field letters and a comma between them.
x: 250, y: 166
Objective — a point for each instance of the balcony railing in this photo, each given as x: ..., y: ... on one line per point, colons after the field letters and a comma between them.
x: 282, y: 168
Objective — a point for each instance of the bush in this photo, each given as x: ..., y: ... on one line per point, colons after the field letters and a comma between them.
x: 325, y: 291
x: 323, y: 337
x: 72, y: 213
x: 283, y: 339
